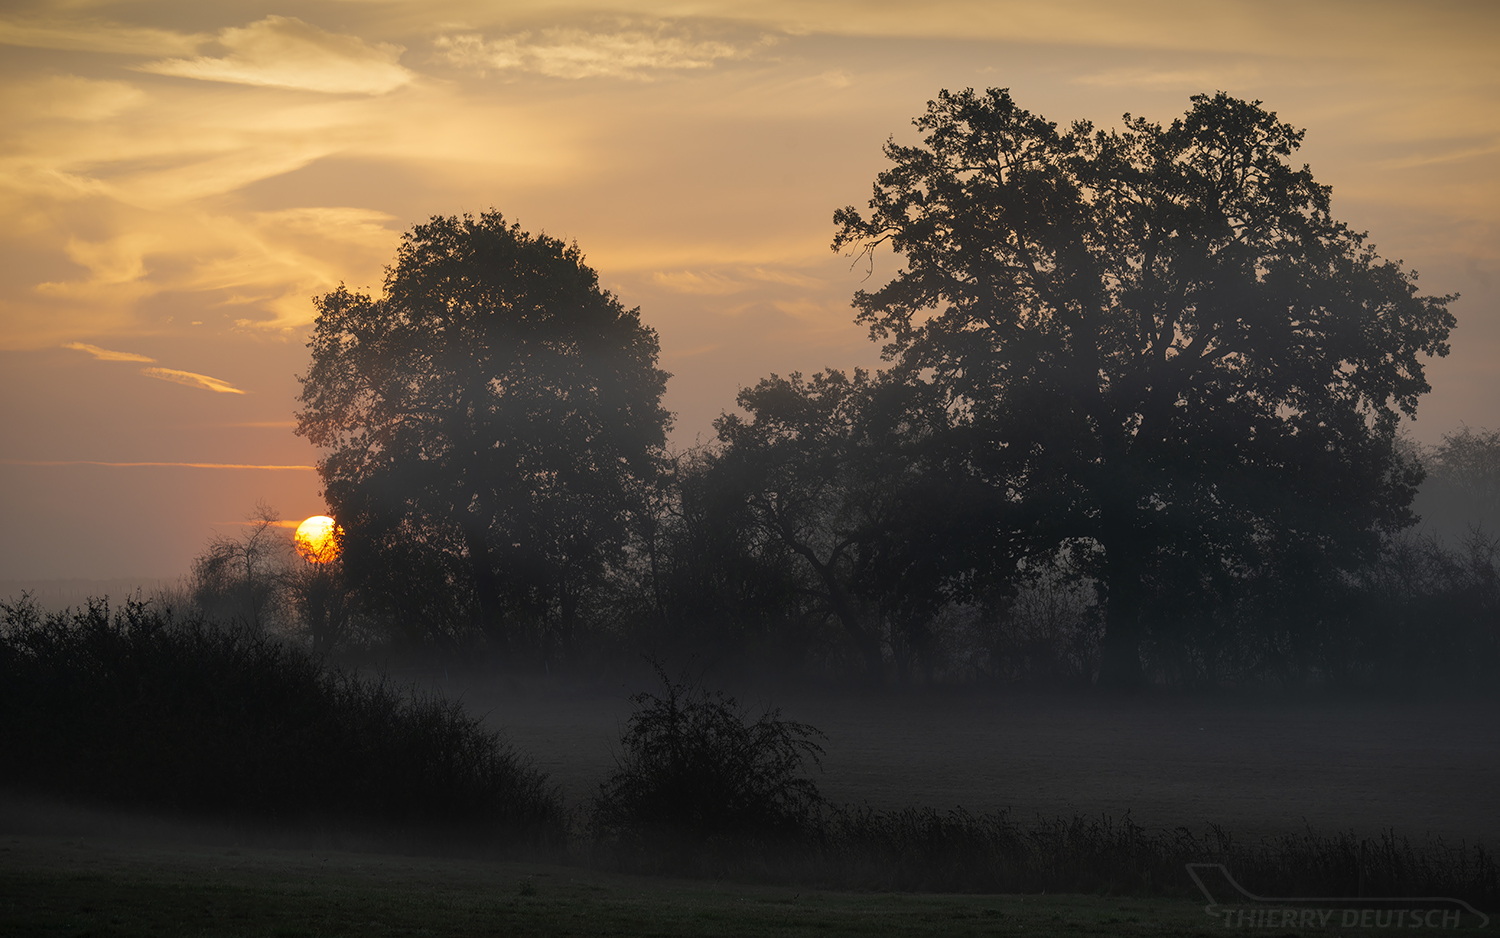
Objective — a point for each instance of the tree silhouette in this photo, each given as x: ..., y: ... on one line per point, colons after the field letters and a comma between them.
x: 1160, y: 333
x: 486, y: 424
x: 240, y: 579
x: 858, y: 476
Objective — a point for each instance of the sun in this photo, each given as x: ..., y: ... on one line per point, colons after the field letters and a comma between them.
x: 317, y: 539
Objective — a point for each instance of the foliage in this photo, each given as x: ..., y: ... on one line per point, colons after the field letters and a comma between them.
x: 239, y: 580
x: 709, y: 587
x: 260, y: 582
x: 1426, y: 615
x: 857, y: 477
x: 137, y: 708
x: 1159, y: 337
x: 696, y: 769
x: 486, y: 427
x: 1462, y: 489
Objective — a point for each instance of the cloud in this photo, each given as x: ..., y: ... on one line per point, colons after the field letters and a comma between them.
x: 97, y: 36
x: 117, y: 260
x: 284, y: 52
x: 575, y: 53
x: 192, y: 380
x: 133, y: 465
x: 711, y: 283
x: 705, y: 284
x: 1200, y: 79
x: 785, y: 277
x: 105, y: 355
x: 68, y: 97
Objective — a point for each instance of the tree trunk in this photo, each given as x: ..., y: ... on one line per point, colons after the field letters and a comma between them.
x: 866, y: 640
x: 486, y: 588
x: 1120, y: 654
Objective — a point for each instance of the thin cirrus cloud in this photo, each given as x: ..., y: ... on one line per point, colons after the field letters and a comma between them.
x: 97, y: 36
x: 285, y: 52
x: 192, y: 380
x: 46, y: 463
x: 107, y: 355
x: 712, y: 283
x: 574, y: 53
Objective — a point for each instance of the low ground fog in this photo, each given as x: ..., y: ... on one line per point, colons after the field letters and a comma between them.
x: 1256, y: 767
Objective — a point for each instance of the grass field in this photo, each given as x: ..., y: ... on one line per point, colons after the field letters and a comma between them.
x: 100, y: 887
x: 92, y: 886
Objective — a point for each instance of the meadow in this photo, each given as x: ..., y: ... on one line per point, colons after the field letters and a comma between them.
x: 137, y: 746
x: 52, y: 885
x: 1254, y: 764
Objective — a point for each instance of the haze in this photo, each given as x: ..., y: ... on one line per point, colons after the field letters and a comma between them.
x: 179, y: 179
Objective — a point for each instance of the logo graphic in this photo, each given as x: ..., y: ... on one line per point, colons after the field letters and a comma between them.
x: 1251, y: 911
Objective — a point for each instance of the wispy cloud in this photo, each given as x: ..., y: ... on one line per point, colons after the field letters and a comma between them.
x: 171, y: 465
x: 576, y: 53
x: 105, y: 355
x: 713, y: 283
x: 1200, y: 79
x: 192, y: 380
x: 285, y: 52
x: 704, y: 284
x: 97, y: 36
x: 68, y: 97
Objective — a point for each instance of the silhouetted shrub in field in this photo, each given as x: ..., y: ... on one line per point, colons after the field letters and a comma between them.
x: 137, y: 708
x: 698, y: 774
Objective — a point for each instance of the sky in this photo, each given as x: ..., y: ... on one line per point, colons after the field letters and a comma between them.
x: 178, y: 180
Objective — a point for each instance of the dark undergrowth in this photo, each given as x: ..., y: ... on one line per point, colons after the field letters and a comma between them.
x: 136, y: 708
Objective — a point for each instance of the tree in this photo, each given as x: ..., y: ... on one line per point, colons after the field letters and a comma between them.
x: 1462, y: 489
x: 854, y: 475
x: 240, y: 579
x: 485, y: 425
x: 1160, y: 333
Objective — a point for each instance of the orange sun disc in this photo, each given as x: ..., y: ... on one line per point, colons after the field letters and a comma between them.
x: 317, y: 539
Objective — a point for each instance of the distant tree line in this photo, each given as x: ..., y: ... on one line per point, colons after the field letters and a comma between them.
x: 1140, y: 423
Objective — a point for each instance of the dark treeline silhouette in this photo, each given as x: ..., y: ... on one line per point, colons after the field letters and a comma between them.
x: 1140, y: 423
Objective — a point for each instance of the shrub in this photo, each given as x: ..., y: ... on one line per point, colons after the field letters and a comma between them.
x: 142, y: 709
x: 696, y: 772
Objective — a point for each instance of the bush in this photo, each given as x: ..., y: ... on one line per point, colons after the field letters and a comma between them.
x: 141, y: 709
x: 697, y: 774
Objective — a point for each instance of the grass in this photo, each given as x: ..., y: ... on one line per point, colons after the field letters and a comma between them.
x: 68, y: 887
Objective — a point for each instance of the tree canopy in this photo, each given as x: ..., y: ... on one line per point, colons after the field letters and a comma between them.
x: 856, y: 476
x: 487, y: 425
x: 1159, y: 333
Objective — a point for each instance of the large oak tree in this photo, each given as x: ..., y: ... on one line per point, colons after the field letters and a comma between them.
x: 487, y: 426
x: 1159, y: 332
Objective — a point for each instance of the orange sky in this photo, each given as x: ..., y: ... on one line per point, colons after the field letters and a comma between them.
x: 178, y: 179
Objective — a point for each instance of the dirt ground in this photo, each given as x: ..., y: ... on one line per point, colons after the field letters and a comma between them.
x: 1255, y: 767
